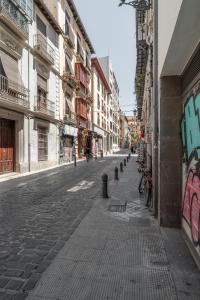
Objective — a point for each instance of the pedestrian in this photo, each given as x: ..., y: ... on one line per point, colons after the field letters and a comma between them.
x: 132, y: 149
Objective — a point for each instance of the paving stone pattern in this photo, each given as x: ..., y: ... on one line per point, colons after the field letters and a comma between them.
x: 37, y: 217
x: 120, y: 255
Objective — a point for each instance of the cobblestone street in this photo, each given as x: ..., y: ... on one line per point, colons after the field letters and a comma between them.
x: 38, y: 215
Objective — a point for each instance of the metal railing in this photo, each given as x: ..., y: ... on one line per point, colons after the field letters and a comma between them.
x: 69, y: 78
x: 41, y: 44
x: 14, y: 92
x: 18, y: 21
x: 71, y: 117
x: 44, y: 105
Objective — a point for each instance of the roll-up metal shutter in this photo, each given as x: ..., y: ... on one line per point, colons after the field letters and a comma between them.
x: 191, y: 71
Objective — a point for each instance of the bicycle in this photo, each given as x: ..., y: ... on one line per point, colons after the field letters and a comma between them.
x: 145, y: 186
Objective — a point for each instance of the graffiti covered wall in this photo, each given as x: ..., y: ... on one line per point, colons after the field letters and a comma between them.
x: 190, y: 128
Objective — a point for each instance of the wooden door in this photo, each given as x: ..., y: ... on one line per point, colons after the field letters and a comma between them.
x: 7, y: 145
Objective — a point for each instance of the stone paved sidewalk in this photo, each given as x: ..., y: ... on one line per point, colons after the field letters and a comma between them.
x: 121, y: 255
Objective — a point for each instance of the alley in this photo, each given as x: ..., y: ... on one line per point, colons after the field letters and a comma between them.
x: 60, y: 239
x: 121, y: 254
x: 38, y: 214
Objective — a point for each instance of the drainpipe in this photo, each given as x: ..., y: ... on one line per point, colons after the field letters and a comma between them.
x: 29, y: 116
x: 155, y: 108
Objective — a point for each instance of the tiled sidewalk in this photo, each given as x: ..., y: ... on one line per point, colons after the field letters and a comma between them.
x: 121, y: 255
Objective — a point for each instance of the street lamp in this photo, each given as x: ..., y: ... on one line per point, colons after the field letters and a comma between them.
x: 138, y: 4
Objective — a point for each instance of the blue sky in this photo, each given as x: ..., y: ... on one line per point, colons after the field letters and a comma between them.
x: 112, y: 32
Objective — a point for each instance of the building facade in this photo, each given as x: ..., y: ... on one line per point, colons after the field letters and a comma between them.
x: 169, y: 110
x: 75, y: 85
x: 124, y: 133
x: 29, y: 96
x: 114, y: 114
x: 46, y: 94
x: 101, y: 109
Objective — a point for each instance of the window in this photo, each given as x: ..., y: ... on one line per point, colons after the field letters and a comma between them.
x: 68, y: 103
x: 67, y: 66
x: 41, y: 92
x: 98, y: 119
x: 98, y: 101
x: 78, y: 44
x: 41, y: 26
x: 67, y: 22
x: 42, y: 143
x: 98, y: 83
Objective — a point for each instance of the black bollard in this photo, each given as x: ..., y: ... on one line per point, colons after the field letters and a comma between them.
x: 127, y: 158
x: 121, y: 167
x: 116, y: 173
x: 75, y: 160
x: 124, y: 162
x: 105, y: 185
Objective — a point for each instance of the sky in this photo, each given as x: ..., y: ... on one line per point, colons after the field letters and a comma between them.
x: 111, y: 30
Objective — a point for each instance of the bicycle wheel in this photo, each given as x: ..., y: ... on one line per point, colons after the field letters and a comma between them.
x: 141, y: 185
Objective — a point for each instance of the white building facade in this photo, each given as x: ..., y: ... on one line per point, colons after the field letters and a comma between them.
x: 101, y: 109
x: 29, y: 91
x: 114, y: 114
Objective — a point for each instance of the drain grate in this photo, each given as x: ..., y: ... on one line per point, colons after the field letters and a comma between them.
x: 117, y: 208
x: 117, y: 205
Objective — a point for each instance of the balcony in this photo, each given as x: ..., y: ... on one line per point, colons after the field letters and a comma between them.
x: 43, y: 48
x: 88, y: 66
x: 69, y: 79
x: 70, y: 117
x: 13, y: 93
x: 80, y: 55
x: 44, y: 106
x: 69, y: 36
x: 14, y: 18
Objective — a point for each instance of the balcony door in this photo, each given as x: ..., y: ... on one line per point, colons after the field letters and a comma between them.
x: 41, y: 92
x: 7, y: 145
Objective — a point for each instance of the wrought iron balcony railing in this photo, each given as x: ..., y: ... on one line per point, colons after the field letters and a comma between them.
x: 13, y: 92
x: 44, y: 49
x: 14, y: 18
x: 69, y: 78
x: 70, y: 117
x: 44, y: 106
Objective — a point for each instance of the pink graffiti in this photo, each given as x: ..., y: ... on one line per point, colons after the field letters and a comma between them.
x: 191, y: 204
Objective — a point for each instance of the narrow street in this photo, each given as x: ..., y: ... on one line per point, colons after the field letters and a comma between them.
x: 60, y: 240
x: 39, y: 213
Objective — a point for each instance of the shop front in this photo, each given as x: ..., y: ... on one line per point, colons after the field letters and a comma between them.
x: 68, y: 143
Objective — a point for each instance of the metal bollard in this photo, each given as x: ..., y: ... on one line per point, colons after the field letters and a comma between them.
x: 124, y: 162
x: 127, y: 158
x: 121, y: 167
x: 105, y: 185
x: 129, y: 155
x: 75, y: 160
x: 116, y: 173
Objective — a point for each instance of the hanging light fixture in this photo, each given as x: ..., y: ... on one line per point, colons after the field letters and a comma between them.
x: 138, y: 4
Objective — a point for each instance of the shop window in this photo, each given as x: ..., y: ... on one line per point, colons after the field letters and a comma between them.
x: 42, y: 143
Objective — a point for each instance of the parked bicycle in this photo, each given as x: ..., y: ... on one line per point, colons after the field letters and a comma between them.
x: 145, y: 184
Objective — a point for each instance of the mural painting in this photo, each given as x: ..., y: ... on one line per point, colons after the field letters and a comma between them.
x: 190, y: 128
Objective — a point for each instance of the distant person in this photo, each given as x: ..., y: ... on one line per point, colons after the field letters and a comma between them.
x: 132, y: 149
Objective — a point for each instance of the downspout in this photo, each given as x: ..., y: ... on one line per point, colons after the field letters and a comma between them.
x: 155, y: 108
x: 29, y: 117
